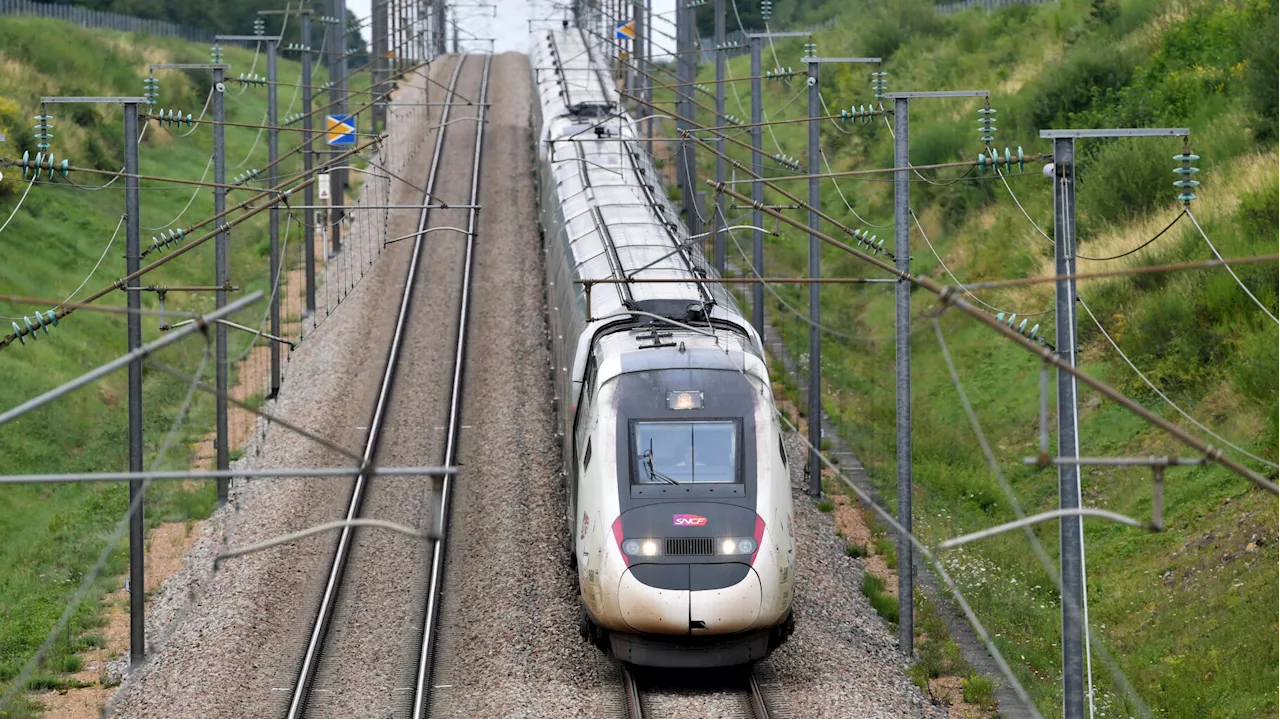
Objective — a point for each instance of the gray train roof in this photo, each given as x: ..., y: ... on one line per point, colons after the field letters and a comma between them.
x: 617, y: 218
x: 566, y: 76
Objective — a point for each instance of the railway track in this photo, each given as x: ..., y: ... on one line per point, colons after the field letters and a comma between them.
x: 337, y: 654
x: 730, y: 694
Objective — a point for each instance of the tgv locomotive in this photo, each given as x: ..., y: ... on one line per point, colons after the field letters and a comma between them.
x: 679, y: 505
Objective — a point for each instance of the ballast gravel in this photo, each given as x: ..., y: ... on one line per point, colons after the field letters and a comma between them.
x: 228, y: 644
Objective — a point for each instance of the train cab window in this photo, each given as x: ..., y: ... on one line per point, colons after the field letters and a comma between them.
x: 782, y: 450
x: 704, y: 452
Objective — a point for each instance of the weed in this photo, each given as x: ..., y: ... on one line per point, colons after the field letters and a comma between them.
x: 857, y: 551
x: 826, y: 505
x: 980, y: 690
x: 885, y: 604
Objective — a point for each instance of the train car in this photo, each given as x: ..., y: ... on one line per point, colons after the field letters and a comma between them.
x: 679, y: 501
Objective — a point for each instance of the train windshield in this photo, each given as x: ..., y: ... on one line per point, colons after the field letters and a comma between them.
x: 702, y: 452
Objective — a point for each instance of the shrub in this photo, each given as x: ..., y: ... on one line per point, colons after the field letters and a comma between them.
x: 980, y: 690
x: 1260, y: 78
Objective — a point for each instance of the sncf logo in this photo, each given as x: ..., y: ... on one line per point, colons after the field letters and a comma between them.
x: 689, y: 520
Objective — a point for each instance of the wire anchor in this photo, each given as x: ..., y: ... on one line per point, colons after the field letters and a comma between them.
x: 1186, y: 184
x: 787, y: 162
x: 867, y: 241
x: 43, y: 125
x: 995, y: 161
x: 986, y: 118
x: 1032, y: 334
x: 780, y: 74
x: 856, y: 113
x: 174, y: 117
x: 41, y: 322
x: 31, y: 167
x: 172, y: 237
x: 878, y: 84
x: 152, y: 85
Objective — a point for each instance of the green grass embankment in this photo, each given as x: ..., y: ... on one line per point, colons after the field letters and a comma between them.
x: 1189, y: 613
x: 50, y: 535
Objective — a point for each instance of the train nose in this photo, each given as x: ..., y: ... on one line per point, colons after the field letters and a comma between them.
x: 689, y: 598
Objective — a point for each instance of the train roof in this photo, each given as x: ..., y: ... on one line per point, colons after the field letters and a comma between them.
x: 617, y: 218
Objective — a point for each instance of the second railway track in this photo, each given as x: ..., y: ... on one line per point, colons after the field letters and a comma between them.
x: 727, y: 694
x: 369, y: 649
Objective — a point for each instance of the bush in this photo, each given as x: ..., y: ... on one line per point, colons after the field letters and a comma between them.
x: 1258, y: 214
x: 980, y: 690
x: 1119, y: 180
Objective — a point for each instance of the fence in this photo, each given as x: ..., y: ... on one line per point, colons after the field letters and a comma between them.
x: 955, y: 7
x: 109, y: 20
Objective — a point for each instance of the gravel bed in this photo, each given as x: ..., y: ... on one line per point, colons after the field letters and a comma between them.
x: 368, y: 667
x: 843, y: 659
x: 227, y: 643
x: 720, y: 693
x: 509, y: 645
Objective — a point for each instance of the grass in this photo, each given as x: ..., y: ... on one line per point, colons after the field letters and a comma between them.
x: 50, y: 535
x: 885, y: 604
x: 1182, y: 610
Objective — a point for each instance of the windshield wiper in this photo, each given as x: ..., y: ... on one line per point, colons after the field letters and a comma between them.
x: 647, y: 456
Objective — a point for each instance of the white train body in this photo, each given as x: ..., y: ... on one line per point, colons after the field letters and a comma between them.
x: 678, y: 494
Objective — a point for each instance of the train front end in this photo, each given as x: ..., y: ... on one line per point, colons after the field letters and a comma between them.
x: 693, y: 566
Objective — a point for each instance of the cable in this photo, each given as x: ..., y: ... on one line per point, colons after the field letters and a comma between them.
x: 1162, y: 395
x: 1139, y: 247
x: 1195, y: 222
x: 960, y: 284
x: 194, y: 193
x: 20, y: 201
x: 1020, y: 207
x: 1037, y: 548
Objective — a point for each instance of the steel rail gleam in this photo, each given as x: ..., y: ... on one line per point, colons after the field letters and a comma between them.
x: 324, y: 614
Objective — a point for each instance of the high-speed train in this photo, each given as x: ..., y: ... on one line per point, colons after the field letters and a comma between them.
x: 679, y: 502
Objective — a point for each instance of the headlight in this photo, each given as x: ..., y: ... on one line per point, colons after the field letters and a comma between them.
x: 640, y: 547
x: 737, y: 545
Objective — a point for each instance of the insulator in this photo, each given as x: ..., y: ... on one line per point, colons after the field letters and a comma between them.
x: 259, y: 27
x: 1186, y: 184
x: 216, y: 54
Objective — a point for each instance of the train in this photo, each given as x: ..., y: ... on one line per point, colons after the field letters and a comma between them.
x: 679, y: 507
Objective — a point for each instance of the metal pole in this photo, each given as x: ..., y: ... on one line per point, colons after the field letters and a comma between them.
x: 273, y: 152
x: 815, y: 271
x: 902, y: 364
x: 222, y: 274
x: 1069, y: 528
x: 687, y: 63
x: 647, y: 48
x: 133, y: 259
x: 379, y: 49
x: 716, y: 221
x: 438, y: 27
x: 308, y: 196
x: 757, y: 188
x: 338, y: 83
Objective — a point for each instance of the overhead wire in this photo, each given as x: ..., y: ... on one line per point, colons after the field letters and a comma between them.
x: 1111, y: 341
x: 1234, y: 276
